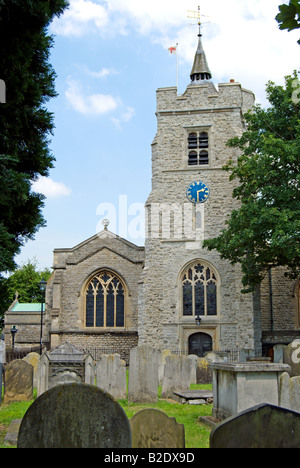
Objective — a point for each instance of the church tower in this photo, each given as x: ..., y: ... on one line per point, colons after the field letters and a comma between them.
x: 189, y: 298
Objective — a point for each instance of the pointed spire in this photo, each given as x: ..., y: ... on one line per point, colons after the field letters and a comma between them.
x: 200, y: 71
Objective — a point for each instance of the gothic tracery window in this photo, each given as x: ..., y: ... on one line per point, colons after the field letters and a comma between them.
x: 199, y: 291
x: 105, y: 301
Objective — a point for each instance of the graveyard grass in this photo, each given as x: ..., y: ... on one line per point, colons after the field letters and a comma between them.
x: 196, y: 433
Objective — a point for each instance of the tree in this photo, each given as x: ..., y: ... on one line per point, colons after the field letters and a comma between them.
x: 25, y: 281
x: 25, y: 123
x: 289, y: 16
x: 264, y: 232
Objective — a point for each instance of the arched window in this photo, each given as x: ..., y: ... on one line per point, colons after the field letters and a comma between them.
x: 199, y: 291
x: 105, y: 301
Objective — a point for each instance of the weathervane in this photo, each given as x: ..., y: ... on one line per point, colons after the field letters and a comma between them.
x: 197, y: 16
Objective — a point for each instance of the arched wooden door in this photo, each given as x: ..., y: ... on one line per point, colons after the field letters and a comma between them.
x: 200, y: 344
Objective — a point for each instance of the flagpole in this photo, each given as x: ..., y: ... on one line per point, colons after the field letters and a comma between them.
x: 177, y: 67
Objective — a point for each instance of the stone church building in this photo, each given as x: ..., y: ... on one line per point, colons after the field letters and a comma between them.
x: 108, y: 293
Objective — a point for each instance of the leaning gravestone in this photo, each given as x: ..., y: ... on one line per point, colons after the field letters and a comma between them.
x: 151, y: 428
x: 111, y: 375
x: 263, y: 426
x: 18, y: 385
x: 176, y: 376
x: 75, y: 416
x: 143, y: 374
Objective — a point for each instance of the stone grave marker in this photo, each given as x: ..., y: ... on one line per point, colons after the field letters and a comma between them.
x: 263, y: 426
x: 33, y: 360
x: 111, y: 375
x: 18, y: 384
x: 291, y: 354
x: 75, y: 416
x: 151, y: 428
x: 176, y: 376
x: 64, y: 364
x: 143, y: 374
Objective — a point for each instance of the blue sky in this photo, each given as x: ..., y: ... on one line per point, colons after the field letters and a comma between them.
x: 110, y: 57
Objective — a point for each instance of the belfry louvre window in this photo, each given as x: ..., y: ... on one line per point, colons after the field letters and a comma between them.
x: 105, y: 301
x: 198, y: 144
x: 199, y: 291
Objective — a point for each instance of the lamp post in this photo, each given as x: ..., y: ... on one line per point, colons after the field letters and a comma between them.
x: 42, y: 285
x: 13, y: 332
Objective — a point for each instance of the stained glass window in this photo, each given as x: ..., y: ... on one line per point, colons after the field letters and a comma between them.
x: 105, y: 301
x: 199, y: 291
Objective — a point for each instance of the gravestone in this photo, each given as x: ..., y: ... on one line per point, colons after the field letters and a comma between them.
x: 161, y: 367
x: 263, y: 426
x: 75, y: 416
x: 143, y: 374
x: 33, y: 360
x: 194, y: 364
x: 111, y: 375
x: 289, y: 392
x: 151, y: 428
x: 291, y: 356
x: 18, y: 385
x: 203, y: 371
x: 64, y: 364
x: 176, y: 376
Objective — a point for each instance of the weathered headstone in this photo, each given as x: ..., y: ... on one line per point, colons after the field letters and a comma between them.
x: 75, y: 416
x: 291, y: 356
x: 151, y: 428
x: 203, y: 371
x: 33, y: 360
x: 194, y: 363
x: 263, y: 426
x: 18, y: 385
x: 111, y: 375
x: 176, y: 376
x: 143, y: 374
x: 289, y: 392
x: 161, y: 367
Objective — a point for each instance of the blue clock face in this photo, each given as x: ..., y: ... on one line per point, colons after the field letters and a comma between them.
x: 198, y: 192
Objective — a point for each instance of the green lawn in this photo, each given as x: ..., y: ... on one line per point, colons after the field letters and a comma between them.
x: 196, y: 434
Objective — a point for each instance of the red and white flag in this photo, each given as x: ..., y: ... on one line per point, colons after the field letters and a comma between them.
x: 173, y: 50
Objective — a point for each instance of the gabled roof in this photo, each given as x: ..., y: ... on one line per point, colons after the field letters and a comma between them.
x: 28, y: 307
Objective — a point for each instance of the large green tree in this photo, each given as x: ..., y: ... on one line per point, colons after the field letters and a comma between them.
x: 25, y: 123
x: 25, y: 281
x: 265, y: 231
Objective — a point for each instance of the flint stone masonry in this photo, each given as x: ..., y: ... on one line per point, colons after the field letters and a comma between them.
x: 18, y: 384
x: 75, y: 416
x: 143, y: 374
x: 240, y: 386
x: 177, y: 375
x: 151, y: 428
x: 111, y: 376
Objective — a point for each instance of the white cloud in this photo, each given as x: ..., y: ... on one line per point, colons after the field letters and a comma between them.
x: 80, y: 17
x: 124, y: 117
x: 103, y: 73
x: 50, y: 188
x: 94, y: 104
x: 242, y: 41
